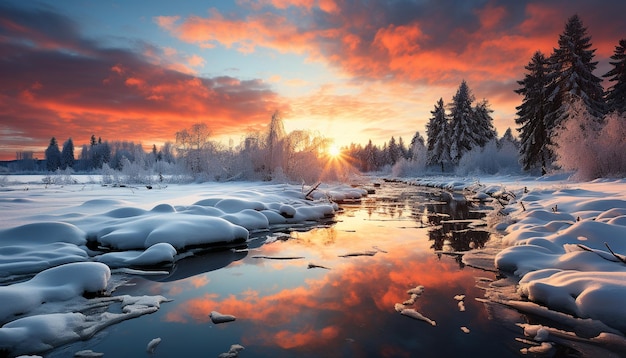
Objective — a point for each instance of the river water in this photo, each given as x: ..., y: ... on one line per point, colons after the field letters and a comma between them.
x: 330, y: 290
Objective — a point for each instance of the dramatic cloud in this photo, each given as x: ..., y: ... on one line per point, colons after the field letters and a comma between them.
x: 421, y: 43
x: 393, y: 60
x: 54, y: 83
x: 425, y: 41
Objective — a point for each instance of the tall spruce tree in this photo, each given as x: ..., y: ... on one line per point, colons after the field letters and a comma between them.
x: 462, y: 118
x: 394, y: 152
x: 482, y: 125
x: 571, y: 75
x: 437, y: 134
x: 67, y: 154
x: 531, y: 115
x: 53, y: 155
x: 616, y: 94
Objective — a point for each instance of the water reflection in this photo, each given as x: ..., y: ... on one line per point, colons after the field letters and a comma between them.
x: 348, y: 308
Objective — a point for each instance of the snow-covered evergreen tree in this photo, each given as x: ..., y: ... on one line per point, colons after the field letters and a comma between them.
x: 404, y: 151
x: 571, y: 75
x: 508, y: 137
x: 53, y: 155
x: 437, y: 133
x: 67, y: 154
x: 462, y: 118
x: 531, y: 115
x: 482, y: 124
x: 616, y: 94
x: 369, y: 163
x: 394, y: 152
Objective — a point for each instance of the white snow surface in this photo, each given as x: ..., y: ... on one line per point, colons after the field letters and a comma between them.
x: 60, y: 242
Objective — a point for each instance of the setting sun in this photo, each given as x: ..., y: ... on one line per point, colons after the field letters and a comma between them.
x: 334, y: 151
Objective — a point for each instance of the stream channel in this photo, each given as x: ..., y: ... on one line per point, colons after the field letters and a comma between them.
x: 330, y: 290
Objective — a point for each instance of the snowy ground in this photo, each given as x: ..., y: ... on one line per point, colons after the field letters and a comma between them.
x: 564, y: 241
x: 60, y: 244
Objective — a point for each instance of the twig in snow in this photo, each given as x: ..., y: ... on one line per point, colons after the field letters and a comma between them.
x: 620, y: 258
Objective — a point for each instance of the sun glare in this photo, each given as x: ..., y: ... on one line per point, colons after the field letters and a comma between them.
x: 334, y: 151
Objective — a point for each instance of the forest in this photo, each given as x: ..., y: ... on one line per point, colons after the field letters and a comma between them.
x: 566, y: 121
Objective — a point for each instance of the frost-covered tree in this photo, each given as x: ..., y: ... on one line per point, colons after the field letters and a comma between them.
x: 53, y: 155
x: 437, y: 145
x: 575, y: 141
x: 616, y: 94
x: 462, y: 136
x: 532, y: 115
x: 394, y: 151
x: 508, y: 137
x: 369, y: 157
x: 416, y: 164
x: 194, y: 147
x: 571, y: 74
x: 482, y: 124
x: 404, y: 151
x: 67, y: 154
x: 274, y: 144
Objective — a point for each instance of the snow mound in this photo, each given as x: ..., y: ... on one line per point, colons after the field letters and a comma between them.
x: 156, y: 254
x: 60, y: 283
x: 178, y: 229
x: 568, y: 249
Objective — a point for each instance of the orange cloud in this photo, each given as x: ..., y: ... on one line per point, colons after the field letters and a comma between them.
x: 116, y: 97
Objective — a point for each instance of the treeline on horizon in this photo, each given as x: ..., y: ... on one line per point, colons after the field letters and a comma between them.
x: 566, y: 121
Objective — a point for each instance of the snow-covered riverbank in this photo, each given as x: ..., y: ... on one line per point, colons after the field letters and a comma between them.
x: 75, y: 237
x: 564, y: 241
x: 566, y: 244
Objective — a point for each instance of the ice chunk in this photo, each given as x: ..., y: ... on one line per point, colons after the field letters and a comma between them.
x: 410, y: 312
x: 152, y: 345
x: 218, y: 318
x: 232, y: 352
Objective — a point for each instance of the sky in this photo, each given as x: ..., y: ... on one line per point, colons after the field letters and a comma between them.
x: 348, y: 70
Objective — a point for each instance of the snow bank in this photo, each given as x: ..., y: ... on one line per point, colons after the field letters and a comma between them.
x: 70, y: 236
x: 567, y: 248
x: 56, y: 284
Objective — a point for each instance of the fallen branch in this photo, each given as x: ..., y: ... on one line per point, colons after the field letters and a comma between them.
x: 619, y: 257
x: 308, y: 193
x: 601, y: 253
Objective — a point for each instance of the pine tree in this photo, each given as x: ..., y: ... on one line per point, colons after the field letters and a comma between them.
x: 67, y: 154
x: 616, y: 94
x: 417, y: 146
x: 571, y: 75
x: 462, y: 138
x: 482, y: 125
x: 508, y: 137
x: 394, y: 152
x: 404, y: 151
x: 53, y: 155
x: 531, y: 115
x: 437, y: 133
x: 369, y: 162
